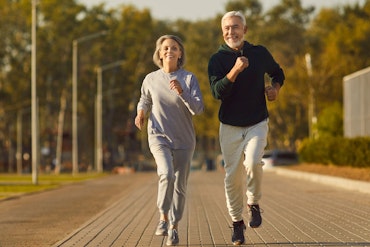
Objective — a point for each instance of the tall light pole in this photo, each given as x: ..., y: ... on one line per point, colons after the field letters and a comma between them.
x: 34, y: 118
x: 312, y: 119
x: 99, y: 118
x: 74, y: 95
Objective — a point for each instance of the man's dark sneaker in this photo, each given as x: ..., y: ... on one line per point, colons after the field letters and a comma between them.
x: 255, y: 218
x: 238, y: 233
x: 162, y: 228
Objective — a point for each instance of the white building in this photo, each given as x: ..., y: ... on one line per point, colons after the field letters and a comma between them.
x: 356, y: 97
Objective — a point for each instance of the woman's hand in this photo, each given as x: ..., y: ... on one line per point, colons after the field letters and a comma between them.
x: 176, y: 86
x: 139, y: 119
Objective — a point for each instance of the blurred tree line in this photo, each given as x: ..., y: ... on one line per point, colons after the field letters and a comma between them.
x: 337, y: 40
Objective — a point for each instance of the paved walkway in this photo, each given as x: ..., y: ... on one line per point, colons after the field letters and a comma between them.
x: 297, y: 212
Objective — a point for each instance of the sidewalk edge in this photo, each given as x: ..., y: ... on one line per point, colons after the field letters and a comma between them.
x: 343, y: 183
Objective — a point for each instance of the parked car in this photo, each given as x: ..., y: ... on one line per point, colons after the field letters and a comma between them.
x: 273, y: 158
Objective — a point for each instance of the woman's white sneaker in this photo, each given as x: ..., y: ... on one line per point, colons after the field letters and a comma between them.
x: 173, y: 237
x: 162, y: 228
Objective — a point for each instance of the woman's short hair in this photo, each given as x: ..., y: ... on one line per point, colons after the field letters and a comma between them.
x: 234, y: 13
x: 156, y: 59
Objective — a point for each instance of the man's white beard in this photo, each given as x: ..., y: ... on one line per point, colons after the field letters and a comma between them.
x: 235, y: 44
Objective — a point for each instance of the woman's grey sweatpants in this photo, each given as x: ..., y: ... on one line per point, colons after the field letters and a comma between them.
x: 173, y: 167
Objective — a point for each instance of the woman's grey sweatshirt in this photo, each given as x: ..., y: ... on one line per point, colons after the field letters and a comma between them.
x: 170, y: 120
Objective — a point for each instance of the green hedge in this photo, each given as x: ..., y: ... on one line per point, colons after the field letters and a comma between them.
x: 338, y: 151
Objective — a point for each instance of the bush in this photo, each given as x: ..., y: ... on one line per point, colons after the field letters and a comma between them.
x: 338, y: 151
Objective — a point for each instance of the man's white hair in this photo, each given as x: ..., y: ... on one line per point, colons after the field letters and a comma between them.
x: 234, y: 13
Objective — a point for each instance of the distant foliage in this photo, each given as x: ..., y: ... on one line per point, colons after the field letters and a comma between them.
x: 337, y: 40
x: 336, y: 151
x: 330, y: 121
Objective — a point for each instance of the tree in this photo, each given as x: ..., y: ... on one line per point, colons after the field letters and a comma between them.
x: 283, y: 33
x: 337, y: 40
x: 200, y: 45
x: 330, y: 121
x: 15, y: 64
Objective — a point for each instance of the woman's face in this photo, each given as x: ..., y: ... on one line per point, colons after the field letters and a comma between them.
x: 233, y: 32
x: 170, y: 51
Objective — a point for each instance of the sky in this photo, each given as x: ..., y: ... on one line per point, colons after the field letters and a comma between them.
x: 194, y: 10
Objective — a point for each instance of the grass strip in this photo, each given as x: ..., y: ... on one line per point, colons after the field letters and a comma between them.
x: 13, y: 185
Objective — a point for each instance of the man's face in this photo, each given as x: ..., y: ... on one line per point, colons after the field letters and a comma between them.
x: 233, y: 32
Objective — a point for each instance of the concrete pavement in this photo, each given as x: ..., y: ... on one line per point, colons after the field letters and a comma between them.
x: 120, y: 210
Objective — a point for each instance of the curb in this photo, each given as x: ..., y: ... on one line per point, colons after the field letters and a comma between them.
x: 344, y: 183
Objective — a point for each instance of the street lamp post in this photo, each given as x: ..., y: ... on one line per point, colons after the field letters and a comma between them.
x: 74, y: 95
x: 34, y: 117
x: 312, y: 119
x: 99, y: 118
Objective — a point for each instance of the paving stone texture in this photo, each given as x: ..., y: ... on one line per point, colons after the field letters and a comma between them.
x: 120, y: 210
